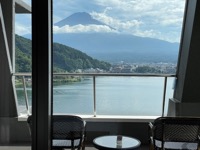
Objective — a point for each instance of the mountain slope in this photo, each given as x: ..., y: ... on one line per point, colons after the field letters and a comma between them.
x: 64, y: 58
x: 70, y: 59
x: 114, y: 47
x: 23, y: 54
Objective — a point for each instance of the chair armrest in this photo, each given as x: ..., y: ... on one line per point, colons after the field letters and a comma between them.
x: 150, y: 129
x: 150, y: 134
x: 84, y: 123
x: 84, y: 132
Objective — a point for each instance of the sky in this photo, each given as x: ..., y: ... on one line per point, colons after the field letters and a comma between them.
x: 160, y: 19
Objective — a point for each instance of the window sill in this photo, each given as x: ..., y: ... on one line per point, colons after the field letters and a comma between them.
x: 107, y: 118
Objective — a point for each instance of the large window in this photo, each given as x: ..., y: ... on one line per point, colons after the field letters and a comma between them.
x: 100, y: 50
x: 23, y: 57
x: 122, y: 37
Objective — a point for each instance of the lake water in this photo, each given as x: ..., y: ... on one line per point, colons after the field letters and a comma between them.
x: 138, y: 96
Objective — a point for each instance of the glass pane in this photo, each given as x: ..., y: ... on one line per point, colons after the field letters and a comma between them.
x: 21, y: 92
x: 169, y: 93
x: 73, y: 97
x: 115, y: 36
x: 131, y: 96
x: 23, y: 57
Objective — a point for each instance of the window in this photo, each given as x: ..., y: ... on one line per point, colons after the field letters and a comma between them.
x: 23, y: 57
x: 100, y: 50
x: 121, y: 37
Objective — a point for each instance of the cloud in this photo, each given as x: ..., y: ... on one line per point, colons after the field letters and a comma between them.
x: 153, y: 9
x: 83, y: 29
x: 146, y: 33
x: 150, y: 18
x: 23, y: 24
x: 21, y: 29
x: 27, y: 1
x: 120, y: 25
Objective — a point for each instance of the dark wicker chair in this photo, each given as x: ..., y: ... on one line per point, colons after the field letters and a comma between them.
x: 175, y: 133
x: 68, y: 132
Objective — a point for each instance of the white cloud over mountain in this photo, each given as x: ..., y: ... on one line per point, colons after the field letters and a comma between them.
x: 150, y: 18
x: 116, y: 23
x: 82, y: 28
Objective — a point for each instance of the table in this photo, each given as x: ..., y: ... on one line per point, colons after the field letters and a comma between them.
x: 109, y: 142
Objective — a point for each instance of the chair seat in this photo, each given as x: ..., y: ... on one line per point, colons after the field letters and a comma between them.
x: 177, y: 145
x: 65, y: 143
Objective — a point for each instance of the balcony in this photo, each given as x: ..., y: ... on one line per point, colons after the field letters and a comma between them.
x: 92, y: 95
x: 94, y: 89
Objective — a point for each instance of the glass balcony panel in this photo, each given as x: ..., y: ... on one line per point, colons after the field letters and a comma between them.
x: 123, y: 96
x: 74, y: 97
x: 21, y: 99
x: 169, y: 92
x: 131, y: 96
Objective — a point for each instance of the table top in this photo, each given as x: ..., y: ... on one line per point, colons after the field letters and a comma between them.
x: 109, y: 142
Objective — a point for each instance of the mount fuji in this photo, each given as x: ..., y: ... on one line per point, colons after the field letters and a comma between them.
x: 114, y: 46
x: 82, y: 18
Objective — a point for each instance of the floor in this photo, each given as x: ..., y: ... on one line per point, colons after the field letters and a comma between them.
x: 29, y: 148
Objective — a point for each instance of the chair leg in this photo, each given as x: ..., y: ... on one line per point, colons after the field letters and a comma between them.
x: 83, y: 145
x: 151, y: 147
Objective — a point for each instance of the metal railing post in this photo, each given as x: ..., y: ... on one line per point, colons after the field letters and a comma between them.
x: 25, y: 94
x: 94, y: 94
x: 164, y: 94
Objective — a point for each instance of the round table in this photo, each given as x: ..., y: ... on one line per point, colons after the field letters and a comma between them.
x: 109, y: 142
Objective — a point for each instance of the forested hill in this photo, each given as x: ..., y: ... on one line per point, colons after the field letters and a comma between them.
x: 70, y: 59
x: 64, y: 58
x: 23, y: 54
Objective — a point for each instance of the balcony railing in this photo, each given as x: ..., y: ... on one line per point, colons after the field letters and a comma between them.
x: 23, y: 77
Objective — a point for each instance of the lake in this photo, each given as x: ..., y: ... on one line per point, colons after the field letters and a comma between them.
x: 135, y: 96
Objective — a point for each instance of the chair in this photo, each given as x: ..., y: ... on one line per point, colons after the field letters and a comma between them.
x: 67, y: 132
x: 175, y: 133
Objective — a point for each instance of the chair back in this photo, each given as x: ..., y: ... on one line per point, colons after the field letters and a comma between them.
x: 177, y: 129
x: 67, y: 127
x: 67, y: 131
